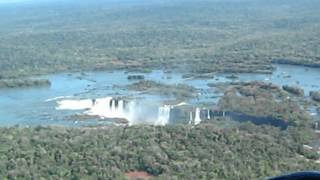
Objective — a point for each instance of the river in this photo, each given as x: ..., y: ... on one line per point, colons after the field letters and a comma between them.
x: 40, y: 106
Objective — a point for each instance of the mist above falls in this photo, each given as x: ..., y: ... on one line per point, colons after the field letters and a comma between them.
x: 134, y: 111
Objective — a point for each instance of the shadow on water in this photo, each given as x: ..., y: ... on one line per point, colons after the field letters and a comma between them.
x: 240, y: 117
x: 37, y: 106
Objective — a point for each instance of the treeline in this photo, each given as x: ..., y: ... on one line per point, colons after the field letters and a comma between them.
x: 180, y: 91
x: 266, y: 100
x: 195, y: 36
x: 170, y: 152
x: 14, y: 83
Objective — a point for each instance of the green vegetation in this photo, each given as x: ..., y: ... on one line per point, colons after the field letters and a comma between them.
x: 315, y: 95
x: 194, y: 36
x: 294, y: 90
x: 264, y: 100
x: 14, y: 83
x: 170, y: 152
x: 197, y: 37
x: 135, y: 77
x: 180, y: 91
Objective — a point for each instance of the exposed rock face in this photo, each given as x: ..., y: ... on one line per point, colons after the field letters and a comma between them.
x: 315, y: 95
x: 294, y: 90
x: 232, y: 76
x: 136, y: 77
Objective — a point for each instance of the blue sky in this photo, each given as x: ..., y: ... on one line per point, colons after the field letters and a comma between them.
x: 14, y: 1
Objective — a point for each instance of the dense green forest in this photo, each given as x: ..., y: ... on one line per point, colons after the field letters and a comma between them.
x: 171, y: 152
x: 198, y: 36
x: 266, y: 100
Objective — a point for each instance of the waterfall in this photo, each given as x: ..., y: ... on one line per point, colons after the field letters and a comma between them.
x: 209, y: 117
x: 121, y: 107
x: 108, y: 108
x: 116, y: 101
x: 134, y: 111
x: 113, y: 106
x: 109, y: 101
x: 197, y: 118
x: 191, y: 118
x: 74, y: 104
x: 130, y: 111
x: 163, y: 115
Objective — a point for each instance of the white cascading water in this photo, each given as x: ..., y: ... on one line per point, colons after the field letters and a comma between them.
x: 109, y: 107
x: 208, y: 111
x: 57, y: 98
x: 130, y: 112
x: 121, y: 107
x: 197, y: 118
x: 113, y: 108
x: 103, y: 107
x: 106, y: 107
x: 74, y: 104
x: 191, y: 118
x: 163, y: 115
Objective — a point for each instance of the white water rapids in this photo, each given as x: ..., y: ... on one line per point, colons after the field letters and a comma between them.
x: 102, y: 107
x: 163, y: 115
x: 116, y: 108
x: 132, y: 111
x: 197, y: 119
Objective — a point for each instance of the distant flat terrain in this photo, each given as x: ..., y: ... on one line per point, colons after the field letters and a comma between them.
x: 191, y: 35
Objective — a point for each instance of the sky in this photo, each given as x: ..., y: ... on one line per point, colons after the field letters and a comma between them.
x: 14, y: 1
x: 4, y: 2
x: 21, y: 1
